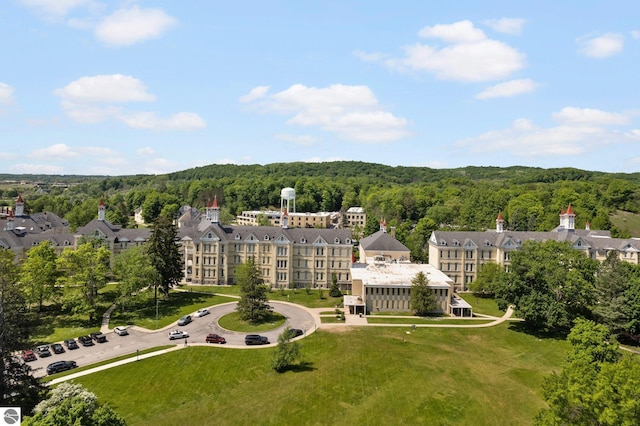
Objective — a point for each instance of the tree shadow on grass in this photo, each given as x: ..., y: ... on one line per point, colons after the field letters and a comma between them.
x: 302, y: 367
x: 523, y: 327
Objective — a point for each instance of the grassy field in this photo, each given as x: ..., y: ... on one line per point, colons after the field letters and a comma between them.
x: 366, y: 376
x: 299, y: 296
x: 628, y: 221
x: 233, y: 322
x: 413, y: 320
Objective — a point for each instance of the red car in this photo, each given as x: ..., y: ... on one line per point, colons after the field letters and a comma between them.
x: 28, y: 355
x: 214, y: 338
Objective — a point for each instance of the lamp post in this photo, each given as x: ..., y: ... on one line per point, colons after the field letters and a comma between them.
x: 156, y: 314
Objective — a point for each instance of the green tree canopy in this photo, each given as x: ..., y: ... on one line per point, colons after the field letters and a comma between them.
x: 164, y: 252
x: 286, y: 353
x: 252, y: 306
x: 134, y: 271
x: 84, y: 271
x: 550, y: 283
x: 39, y: 273
x: 18, y: 387
x: 423, y: 299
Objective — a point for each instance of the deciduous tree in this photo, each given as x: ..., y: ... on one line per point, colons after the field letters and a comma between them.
x: 39, y: 273
x: 84, y: 271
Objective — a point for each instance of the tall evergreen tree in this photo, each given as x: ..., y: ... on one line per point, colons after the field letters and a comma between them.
x: 165, y: 254
x: 422, y: 297
x: 253, y: 306
x: 18, y: 387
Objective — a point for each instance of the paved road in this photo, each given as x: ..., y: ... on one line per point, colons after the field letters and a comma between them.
x: 139, y: 338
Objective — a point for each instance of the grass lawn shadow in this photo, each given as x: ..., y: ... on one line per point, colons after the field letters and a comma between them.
x: 302, y: 367
x: 523, y: 327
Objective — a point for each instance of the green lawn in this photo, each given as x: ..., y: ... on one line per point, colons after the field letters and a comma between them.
x: 413, y: 320
x: 232, y: 321
x: 482, y: 305
x: 366, y: 376
x: 299, y: 296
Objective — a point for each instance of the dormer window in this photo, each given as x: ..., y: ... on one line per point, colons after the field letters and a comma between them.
x: 303, y: 240
x: 337, y: 241
x: 237, y: 236
x: 209, y: 235
x: 66, y: 243
x: 487, y: 244
x: 266, y: 238
x: 456, y: 243
x: 443, y: 243
x: 347, y: 241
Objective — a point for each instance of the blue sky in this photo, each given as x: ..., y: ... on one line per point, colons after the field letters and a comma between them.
x: 127, y: 87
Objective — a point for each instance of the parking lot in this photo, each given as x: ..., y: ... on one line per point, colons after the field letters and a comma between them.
x: 140, y: 339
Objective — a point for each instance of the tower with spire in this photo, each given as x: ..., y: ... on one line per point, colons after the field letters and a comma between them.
x: 499, y: 223
x: 19, y: 206
x: 101, y: 210
x: 213, y: 211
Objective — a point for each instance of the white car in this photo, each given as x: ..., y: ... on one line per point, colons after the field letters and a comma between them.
x: 121, y: 331
x: 178, y: 334
x: 201, y: 313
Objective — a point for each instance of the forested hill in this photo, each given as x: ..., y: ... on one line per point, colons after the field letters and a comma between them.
x: 414, y: 200
x: 398, y: 174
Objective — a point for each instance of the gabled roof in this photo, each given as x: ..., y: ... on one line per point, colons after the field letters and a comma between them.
x: 381, y: 241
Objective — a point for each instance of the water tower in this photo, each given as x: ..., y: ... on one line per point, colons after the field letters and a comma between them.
x: 287, y: 195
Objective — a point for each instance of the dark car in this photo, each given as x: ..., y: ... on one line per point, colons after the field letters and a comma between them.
x: 57, y: 348
x: 294, y: 332
x: 58, y: 366
x: 255, y: 339
x: 98, y: 337
x: 85, y: 340
x: 185, y: 320
x: 215, y: 338
x: 28, y: 355
x: 43, y: 351
x: 71, y: 344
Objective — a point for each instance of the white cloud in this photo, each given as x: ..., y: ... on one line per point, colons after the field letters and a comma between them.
x: 26, y: 168
x: 149, y: 120
x: 352, y: 112
x: 468, y: 56
x: 369, y: 57
x: 53, y: 9
x: 589, y: 117
x: 508, y: 88
x: 6, y: 93
x: 147, y: 151
x: 256, y: 93
x: 115, y: 88
x: 573, y: 137
x: 92, y: 99
x: 63, y: 151
x: 601, y: 46
x: 635, y: 34
x: 512, y: 26
x: 302, y: 140
x: 7, y: 155
x: 129, y: 26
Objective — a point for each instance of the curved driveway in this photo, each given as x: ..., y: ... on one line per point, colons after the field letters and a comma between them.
x: 141, y: 338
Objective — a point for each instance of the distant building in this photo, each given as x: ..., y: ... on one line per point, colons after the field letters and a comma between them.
x: 460, y: 254
x: 355, y: 216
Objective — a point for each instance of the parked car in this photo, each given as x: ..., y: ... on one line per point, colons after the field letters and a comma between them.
x: 85, y: 340
x: 57, y: 348
x: 43, y: 351
x: 185, y: 320
x: 98, y: 337
x: 201, y: 312
x: 215, y: 338
x: 58, y: 366
x: 121, y: 331
x: 28, y: 356
x: 295, y: 332
x: 71, y: 344
x: 178, y: 334
x: 255, y: 339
